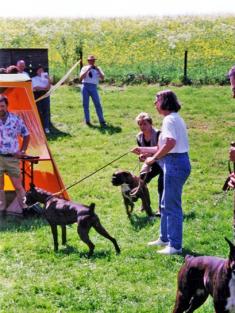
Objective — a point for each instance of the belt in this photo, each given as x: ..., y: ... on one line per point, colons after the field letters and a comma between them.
x: 7, y: 155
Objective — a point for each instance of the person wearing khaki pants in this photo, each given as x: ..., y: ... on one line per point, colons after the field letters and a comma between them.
x: 11, y: 126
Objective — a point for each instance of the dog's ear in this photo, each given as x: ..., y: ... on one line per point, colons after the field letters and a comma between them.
x: 126, y: 174
x: 232, y: 249
x: 32, y: 186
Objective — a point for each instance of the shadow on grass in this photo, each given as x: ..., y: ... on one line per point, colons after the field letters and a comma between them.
x: 190, y: 252
x: 108, y: 129
x: 56, y: 133
x: 139, y: 222
x: 20, y: 224
x: 98, y: 254
x: 190, y: 215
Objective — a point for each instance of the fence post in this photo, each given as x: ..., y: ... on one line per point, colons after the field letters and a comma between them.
x: 80, y: 57
x: 185, y: 66
x: 79, y: 54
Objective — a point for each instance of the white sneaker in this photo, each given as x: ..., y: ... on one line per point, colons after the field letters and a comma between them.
x: 47, y: 130
x: 170, y: 250
x: 158, y: 242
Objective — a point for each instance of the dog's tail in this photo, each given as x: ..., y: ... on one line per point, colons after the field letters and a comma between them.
x: 92, y: 207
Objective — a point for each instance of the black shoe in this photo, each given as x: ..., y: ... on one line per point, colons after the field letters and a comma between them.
x: 103, y: 124
x: 88, y: 124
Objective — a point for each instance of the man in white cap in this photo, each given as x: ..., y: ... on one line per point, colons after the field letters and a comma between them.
x: 90, y: 75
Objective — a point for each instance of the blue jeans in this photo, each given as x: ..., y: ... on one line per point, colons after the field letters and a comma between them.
x: 90, y: 90
x: 176, y: 169
x: 44, y: 111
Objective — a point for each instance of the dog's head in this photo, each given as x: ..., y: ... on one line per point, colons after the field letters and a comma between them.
x: 34, y: 195
x: 231, y: 259
x: 121, y: 177
x: 30, y: 197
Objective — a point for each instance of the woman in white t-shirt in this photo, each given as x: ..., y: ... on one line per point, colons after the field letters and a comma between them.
x: 41, y: 84
x: 172, y: 155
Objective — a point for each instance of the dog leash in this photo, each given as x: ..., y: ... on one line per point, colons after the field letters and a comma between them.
x: 91, y: 174
x: 59, y: 83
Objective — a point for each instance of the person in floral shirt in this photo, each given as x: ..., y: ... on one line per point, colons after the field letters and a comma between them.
x: 11, y: 127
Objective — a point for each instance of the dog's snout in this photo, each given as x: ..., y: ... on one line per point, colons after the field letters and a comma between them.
x: 115, y: 180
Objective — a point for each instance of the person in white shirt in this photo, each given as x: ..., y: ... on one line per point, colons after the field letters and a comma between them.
x: 41, y: 84
x: 171, y: 153
x: 89, y: 76
x: 21, y: 67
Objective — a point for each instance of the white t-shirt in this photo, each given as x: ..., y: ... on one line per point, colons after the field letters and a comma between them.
x: 40, y: 81
x: 173, y: 126
x: 95, y: 75
x: 25, y: 73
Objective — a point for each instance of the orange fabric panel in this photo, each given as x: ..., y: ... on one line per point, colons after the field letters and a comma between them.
x: 45, y: 173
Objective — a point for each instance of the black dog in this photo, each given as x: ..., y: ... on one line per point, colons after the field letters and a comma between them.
x: 204, y: 275
x: 132, y: 188
x: 62, y: 212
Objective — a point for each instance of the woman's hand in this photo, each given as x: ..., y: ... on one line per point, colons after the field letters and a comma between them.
x: 142, y: 157
x: 136, y: 150
x: 150, y: 160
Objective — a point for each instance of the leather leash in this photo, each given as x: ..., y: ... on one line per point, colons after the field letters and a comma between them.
x: 91, y: 174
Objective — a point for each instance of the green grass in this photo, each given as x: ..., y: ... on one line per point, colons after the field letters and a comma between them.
x: 35, y: 279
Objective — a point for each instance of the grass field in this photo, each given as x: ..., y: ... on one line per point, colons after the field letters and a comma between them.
x: 35, y: 279
x: 147, y: 49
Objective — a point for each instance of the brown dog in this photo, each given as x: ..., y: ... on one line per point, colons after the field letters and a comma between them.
x: 204, y: 275
x: 62, y: 212
x: 132, y: 188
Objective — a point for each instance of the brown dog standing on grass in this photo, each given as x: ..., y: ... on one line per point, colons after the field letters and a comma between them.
x: 206, y: 275
x: 132, y: 188
x: 62, y: 212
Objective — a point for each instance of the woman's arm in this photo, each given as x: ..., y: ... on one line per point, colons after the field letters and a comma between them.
x: 143, y: 150
x: 164, y: 150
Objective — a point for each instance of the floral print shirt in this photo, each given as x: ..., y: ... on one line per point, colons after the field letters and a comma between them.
x: 9, y: 132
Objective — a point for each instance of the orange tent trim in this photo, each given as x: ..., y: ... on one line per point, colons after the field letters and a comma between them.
x: 18, y: 89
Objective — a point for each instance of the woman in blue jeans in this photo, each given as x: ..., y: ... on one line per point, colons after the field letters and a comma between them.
x: 172, y: 155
